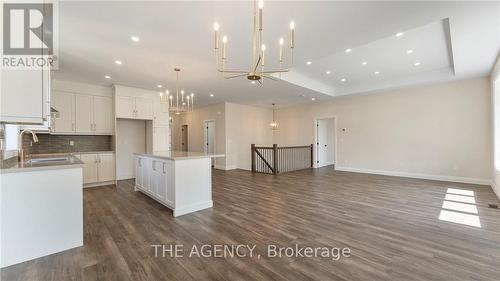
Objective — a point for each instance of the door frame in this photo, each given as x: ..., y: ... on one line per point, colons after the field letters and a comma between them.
x: 205, y: 137
x: 335, y: 138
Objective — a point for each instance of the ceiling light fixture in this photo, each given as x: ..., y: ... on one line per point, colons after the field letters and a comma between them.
x: 313, y: 99
x: 376, y: 73
x: 274, y: 124
x: 399, y: 34
x: 409, y: 52
x: 212, y: 95
x: 159, y: 86
x: 253, y: 82
x: 348, y: 50
x: 107, y: 77
x: 364, y: 63
x: 135, y: 39
x: 417, y: 64
x: 309, y: 62
x: 343, y: 80
x: 119, y: 62
x: 254, y: 73
x: 181, y: 103
x: 328, y: 72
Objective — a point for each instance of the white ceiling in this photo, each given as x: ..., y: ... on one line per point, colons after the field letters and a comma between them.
x: 451, y: 40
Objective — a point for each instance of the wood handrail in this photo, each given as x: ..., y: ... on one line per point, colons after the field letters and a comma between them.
x: 279, y: 159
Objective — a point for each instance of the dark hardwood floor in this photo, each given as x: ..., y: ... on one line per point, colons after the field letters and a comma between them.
x: 391, y: 226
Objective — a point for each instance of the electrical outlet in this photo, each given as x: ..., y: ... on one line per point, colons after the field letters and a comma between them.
x: 71, y: 143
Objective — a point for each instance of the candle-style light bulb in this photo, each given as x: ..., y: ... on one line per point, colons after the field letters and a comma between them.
x: 263, y: 49
x: 282, y: 41
x: 216, y: 35
x: 187, y: 103
x: 192, y: 101
x: 224, y: 47
x: 292, y: 34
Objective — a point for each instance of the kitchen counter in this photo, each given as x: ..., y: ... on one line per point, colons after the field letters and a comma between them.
x: 13, y: 166
x: 179, y: 155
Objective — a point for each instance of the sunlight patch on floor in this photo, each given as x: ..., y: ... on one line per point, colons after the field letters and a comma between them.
x: 459, y: 206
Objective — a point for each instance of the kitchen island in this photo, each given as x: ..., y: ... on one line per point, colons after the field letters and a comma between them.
x: 180, y: 180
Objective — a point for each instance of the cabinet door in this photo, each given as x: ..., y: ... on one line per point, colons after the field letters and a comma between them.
x: 125, y: 107
x: 146, y: 168
x: 106, y: 170
x: 160, y: 139
x: 90, y: 168
x: 138, y: 172
x: 65, y: 104
x: 103, y: 115
x: 21, y: 99
x: 170, y: 183
x: 153, y: 177
x: 83, y: 114
x: 144, y: 108
x: 161, y: 191
x: 161, y: 116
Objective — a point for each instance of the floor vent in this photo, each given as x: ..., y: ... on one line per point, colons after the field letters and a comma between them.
x: 493, y: 206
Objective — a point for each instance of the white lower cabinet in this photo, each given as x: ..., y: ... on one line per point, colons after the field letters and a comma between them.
x: 98, y: 168
x: 152, y: 177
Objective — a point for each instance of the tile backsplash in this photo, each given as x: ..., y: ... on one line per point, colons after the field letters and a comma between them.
x: 61, y: 143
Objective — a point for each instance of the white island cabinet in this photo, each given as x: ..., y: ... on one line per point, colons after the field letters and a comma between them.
x: 182, y: 181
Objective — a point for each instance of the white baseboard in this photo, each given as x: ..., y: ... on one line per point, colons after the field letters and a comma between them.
x: 98, y: 184
x: 225, y: 168
x: 417, y: 175
x: 193, y: 208
x: 496, y: 189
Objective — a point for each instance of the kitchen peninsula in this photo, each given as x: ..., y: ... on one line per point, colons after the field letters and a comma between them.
x: 180, y: 180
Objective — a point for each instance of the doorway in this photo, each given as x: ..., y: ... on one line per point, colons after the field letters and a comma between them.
x: 325, y: 142
x: 184, y: 137
x: 210, y: 137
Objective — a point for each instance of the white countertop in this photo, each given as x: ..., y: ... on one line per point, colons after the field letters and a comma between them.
x: 179, y: 155
x: 15, y: 166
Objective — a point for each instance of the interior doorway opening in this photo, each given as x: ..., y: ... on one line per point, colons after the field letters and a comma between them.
x: 209, y: 134
x: 325, y: 142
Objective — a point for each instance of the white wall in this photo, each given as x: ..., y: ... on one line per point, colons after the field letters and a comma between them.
x: 75, y: 87
x: 495, y: 128
x: 246, y: 125
x: 439, y: 131
x: 196, y: 138
x: 130, y: 138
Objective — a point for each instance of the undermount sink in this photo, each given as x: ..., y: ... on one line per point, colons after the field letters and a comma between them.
x: 48, y: 159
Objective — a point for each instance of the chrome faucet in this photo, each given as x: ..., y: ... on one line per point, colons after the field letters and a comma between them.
x: 20, y: 142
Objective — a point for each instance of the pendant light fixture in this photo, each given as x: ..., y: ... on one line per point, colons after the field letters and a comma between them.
x: 274, y: 125
x: 181, y: 102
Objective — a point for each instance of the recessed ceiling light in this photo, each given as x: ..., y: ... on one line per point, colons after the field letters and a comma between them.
x: 399, y: 34
x: 313, y: 99
x: 135, y: 39
x: 159, y: 86
x: 107, y: 77
x: 348, y: 50
x: 328, y: 72
x: 309, y: 62
x: 303, y: 95
x: 212, y: 95
x: 409, y: 52
x: 343, y: 80
x: 416, y: 64
x: 376, y: 73
x: 253, y: 82
x: 364, y: 63
x: 119, y: 62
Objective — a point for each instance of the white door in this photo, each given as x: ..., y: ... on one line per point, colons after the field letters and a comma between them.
x: 144, y: 108
x: 160, y: 138
x: 325, y: 145
x: 106, y: 171
x: 90, y: 168
x: 125, y: 107
x: 83, y: 114
x: 64, y: 103
x: 161, y: 115
x: 103, y: 115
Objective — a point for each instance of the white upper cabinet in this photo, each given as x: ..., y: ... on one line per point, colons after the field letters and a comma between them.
x: 103, y: 115
x: 83, y: 114
x: 65, y: 104
x: 125, y: 107
x: 161, y: 115
x: 161, y: 138
x: 25, y: 96
x: 144, y: 108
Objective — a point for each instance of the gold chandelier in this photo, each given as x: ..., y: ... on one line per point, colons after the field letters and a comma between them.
x: 182, y: 103
x: 255, y: 73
